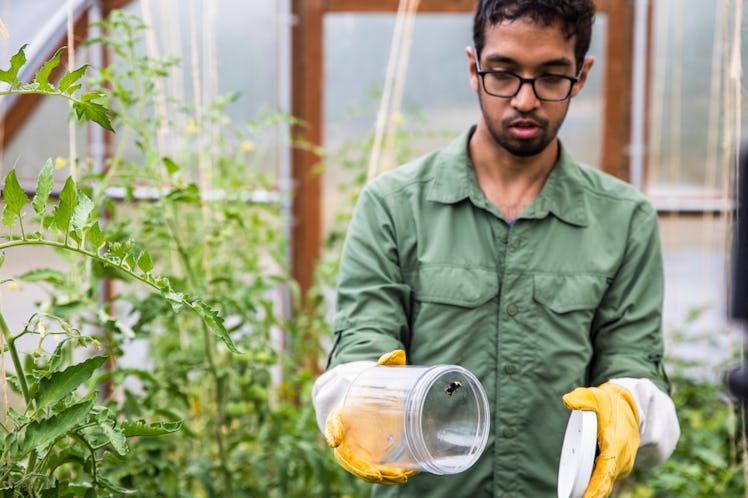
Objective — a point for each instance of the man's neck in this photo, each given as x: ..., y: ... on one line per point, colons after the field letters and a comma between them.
x: 510, y: 182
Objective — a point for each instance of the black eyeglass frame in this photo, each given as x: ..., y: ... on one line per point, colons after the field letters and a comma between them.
x: 483, y: 72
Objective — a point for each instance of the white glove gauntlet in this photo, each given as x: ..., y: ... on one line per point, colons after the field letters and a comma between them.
x: 330, y: 388
x: 658, y: 423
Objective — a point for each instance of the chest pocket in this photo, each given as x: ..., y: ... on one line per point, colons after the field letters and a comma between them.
x: 568, y: 293
x: 453, y: 314
x: 564, y: 312
x: 455, y: 285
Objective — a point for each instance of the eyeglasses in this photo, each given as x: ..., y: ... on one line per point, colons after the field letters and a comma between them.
x: 506, y: 84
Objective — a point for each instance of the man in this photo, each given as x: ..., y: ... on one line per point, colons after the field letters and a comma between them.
x: 502, y: 254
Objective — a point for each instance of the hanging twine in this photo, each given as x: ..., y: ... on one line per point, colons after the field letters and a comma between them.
x: 4, y: 377
x: 159, y: 95
x: 4, y: 35
x: 73, y: 149
x: 733, y: 134
x: 388, y: 117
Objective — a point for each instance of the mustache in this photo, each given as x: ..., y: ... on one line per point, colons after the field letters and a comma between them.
x: 525, y: 119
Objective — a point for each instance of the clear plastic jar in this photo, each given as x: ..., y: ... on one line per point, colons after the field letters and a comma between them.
x: 429, y: 418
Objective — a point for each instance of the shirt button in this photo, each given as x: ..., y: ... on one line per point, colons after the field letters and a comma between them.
x: 508, y: 432
x: 512, y: 309
x: 510, y: 368
x: 504, y: 238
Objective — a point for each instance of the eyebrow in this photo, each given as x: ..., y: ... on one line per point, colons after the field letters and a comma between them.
x: 502, y: 59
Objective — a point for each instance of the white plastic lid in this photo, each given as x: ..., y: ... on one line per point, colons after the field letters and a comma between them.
x: 577, y: 454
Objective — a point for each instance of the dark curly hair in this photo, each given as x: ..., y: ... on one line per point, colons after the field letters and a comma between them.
x: 576, y: 17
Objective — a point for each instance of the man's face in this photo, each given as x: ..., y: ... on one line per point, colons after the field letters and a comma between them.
x: 525, y: 125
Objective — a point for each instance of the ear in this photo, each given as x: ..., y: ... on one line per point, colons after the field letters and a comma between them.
x: 472, y: 68
x: 586, y: 66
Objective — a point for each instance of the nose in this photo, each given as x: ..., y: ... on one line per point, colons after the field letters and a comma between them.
x: 525, y: 100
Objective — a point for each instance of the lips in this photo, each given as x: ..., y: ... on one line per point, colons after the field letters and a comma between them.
x: 524, y: 128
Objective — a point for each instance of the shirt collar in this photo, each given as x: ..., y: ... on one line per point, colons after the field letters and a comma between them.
x: 562, y: 194
x: 454, y: 176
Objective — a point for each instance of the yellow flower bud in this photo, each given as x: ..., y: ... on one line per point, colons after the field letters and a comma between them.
x: 60, y: 162
x: 248, y: 146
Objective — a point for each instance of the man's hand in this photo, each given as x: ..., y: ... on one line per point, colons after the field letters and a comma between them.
x: 617, y: 433
x: 359, y: 465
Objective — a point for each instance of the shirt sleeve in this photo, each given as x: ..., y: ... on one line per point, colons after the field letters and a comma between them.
x: 658, y: 423
x: 627, y: 328
x: 372, y: 301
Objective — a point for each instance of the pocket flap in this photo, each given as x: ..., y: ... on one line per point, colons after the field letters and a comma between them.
x: 460, y: 286
x: 565, y: 293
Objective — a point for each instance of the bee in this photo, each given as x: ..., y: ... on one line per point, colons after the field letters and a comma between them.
x: 452, y: 387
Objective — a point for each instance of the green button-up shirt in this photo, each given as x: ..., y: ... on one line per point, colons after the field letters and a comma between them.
x: 569, y: 294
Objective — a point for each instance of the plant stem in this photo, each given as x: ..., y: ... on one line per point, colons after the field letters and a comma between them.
x: 209, y: 356
x: 36, y: 91
x: 108, y: 262
x: 10, y: 341
x: 82, y: 440
x: 67, y: 247
x: 31, y: 465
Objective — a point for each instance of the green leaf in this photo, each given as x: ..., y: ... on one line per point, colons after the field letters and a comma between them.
x: 91, y: 96
x: 61, y: 352
x: 2, y: 258
x: 42, y: 76
x: 214, y: 322
x: 76, y: 489
x: 70, y: 307
x: 54, y: 277
x: 95, y: 237
x: 175, y: 299
x: 116, y: 437
x: 129, y: 261
x: 10, y: 75
x: 81, y: 211
x: 144, y: 262
x: 51, y: 492
x: 15, y: 384
x: 14, y: 197
x: 111, y: 322
x: 118, y: 250
x: 60, y: 384
x: 44, y: 184
x: 64, y: 210
x: 74, y: 88
x: 92, y: 111
x: 115, y: 487
x: 171, y: 166
x: 190, y: 193
x: 142, y: 428
x: 41, y: 433
x: 71, y: 77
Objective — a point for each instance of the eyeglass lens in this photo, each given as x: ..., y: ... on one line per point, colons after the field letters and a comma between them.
x: 546, y: 87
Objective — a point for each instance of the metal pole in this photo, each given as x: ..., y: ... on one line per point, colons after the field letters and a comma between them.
x: 285, y: 181
x: 638, y: 94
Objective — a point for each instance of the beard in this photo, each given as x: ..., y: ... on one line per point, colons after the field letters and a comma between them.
x: 520, y: 147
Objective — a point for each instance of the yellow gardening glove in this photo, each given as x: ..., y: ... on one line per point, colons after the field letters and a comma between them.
x: 365, y: 468
x: 617, y: 433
